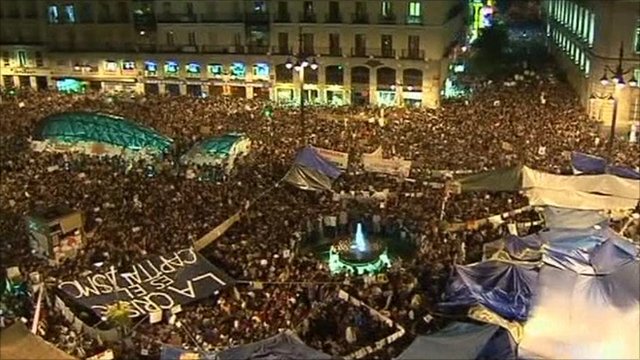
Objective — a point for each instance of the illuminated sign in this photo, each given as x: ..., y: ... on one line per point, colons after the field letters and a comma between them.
x: 171, y: 68
x: 261, y: 71
x: 216, y: 69
x: 128, y: 65
x: 150, y: 68
x: 238, y: 70
x: 192, y: 68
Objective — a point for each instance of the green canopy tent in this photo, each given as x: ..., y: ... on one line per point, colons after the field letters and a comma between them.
x: 218, y: 150
x: 85, y: 130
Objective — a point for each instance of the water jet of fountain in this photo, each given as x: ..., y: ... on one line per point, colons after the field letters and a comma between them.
x: 359, y: 242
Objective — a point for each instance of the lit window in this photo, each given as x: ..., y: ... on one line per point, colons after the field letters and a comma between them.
x: 238, y: 70
x: 261, y: 71
x: 587, y: 66
x: 592, y: 28
x: 53, y: 14
x: 70, y: 13
x: 638, y: 37
x: 415, y: 9
x: 386, y: 10
x: 150, y: 68
x: 128, y: 65
x: 22, y: 58
x: 192, y: 68
x: 171, y: 68
x: 216, y: 69
x: 259, y: 6
x: 110, y: 65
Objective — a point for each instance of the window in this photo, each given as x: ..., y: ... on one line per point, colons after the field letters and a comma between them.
x: 238, y: 70
x: 260, y: 6
x: 110, y: 66
x: 22, y: 58
x: 307, y: 44
x: 31, y: 9
x: 283, y: 8
x: 587, y: 67
x: 171, y: 68
x: 637, y: 37
x: 150, y: 68
x: 52, y: 14
x: 215, y: 69
x: 6, y: 61
x: 192, y: 38
x: 128, y: 65
x: 188, y: 7
x: 361, y: 9
x: 308, y: 9
x: 39, y: 61
x: 261, y: 71
x: 414, y: 13
x: 386, y: 10
x: 361, y: 45
x: 334, y: 9
x: 166, y: 7
x: 86, y: 12
x: 334, y: 44
x: 283, y: 42
x: 192, y: 68
x: 123, y: 11
x: 386, y: 43
x: 70, y: 13
x: 592, y: 26
x: 170, y: 38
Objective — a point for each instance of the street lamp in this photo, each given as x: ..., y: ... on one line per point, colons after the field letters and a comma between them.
x: 298, y: 63
x: 618, y: 80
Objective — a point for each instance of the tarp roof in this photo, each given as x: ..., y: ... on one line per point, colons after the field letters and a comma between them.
x: 584, y: 316
x: 103, y: 128
x: 17, y: 342
x: 555, y: 217
x: 311, y: 171
x: 219, y: 145
x: 464, y: 341
x: 590, y: 164
x: 505, y: 288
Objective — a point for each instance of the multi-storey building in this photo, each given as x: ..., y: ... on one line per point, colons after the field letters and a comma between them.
x: 382, y: 52
x: 590, y: 39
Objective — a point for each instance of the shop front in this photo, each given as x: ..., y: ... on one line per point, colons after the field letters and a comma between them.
x: 336, y: 97
x: 386, y: 98
x: 285, y: 95
x: 412, y: 98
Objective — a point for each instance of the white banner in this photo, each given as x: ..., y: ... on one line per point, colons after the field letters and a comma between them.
x: 338, y: 158
x: 395, y: 167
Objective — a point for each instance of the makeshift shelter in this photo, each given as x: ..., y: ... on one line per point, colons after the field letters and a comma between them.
x: 584, y: 192
x: 503, y: 287
x: 18, y: 343
x: 218, y: 150
x: 284, y: 346
x: 555, y: 217
x: 590, y: 164
x: 585, y: 317
x: 310, y: 171
x: 527, y: 248
x: 464, y: 341
x: 97, y: 133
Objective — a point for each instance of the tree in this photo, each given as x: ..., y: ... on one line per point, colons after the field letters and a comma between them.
x: 118, y: 315
x: 490, y: 51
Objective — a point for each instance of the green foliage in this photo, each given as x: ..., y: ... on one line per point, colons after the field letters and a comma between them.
x: 490, y: 51
x: 118, y: 315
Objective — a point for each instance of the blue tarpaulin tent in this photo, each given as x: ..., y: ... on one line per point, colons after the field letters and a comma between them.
x: 561, y: 218
x: 503, y: 287
x: 216, y: 150
x: 310, y: 171
x: 590, y: 164
x: 463, y: 341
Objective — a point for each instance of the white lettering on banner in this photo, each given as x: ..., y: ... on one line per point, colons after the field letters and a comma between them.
x: 338, y: 158
x: 395, y: 167
x: 155, y: 284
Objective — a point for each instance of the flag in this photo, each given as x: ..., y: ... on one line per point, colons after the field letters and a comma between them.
x: 310, y: 171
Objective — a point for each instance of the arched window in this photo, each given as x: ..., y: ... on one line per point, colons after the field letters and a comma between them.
x: 360, y: 75
x: 386, y: 77
x: 412, y: 77
x: 334, y: 75
x: 283, y: 75
x: 310, y: 75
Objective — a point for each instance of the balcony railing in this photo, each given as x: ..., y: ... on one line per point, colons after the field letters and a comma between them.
x: 177, y: 18
x: 257, y: 17
x: 257, y: 49
x: 107, y: 19
x: 414, y: 20
x: 221, y: 18
x: 387, y: 19
x: 330, y: 51
x: 360, y: 52
x: 358, y: 18
x: 92, y: 47
x: 282, y: 17
x: 384, y: 53
x: 412, y: 54
x: 333, y: 19
x: 281, y: 50
x: 307, y: 17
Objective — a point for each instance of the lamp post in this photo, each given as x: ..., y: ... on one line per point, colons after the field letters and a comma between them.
x: 618, y: 79
x: 298, y: 63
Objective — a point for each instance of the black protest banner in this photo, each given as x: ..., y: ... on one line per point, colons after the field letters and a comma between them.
x: 158, y: 283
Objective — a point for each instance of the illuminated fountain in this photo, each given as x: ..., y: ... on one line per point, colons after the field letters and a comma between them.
x: 358, y: 255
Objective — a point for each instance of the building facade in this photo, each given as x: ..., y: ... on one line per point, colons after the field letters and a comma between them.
x: 381, y: 52
x: 590, y: 39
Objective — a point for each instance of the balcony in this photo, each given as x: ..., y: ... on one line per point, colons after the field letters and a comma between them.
x: 360, y: 52
x: 257, y: 17
x: 307, y: 17
x: 177, y: 18
x: 281, y: 50
x: 107, y: 19
x: 359, y: 18
x: 412, y: 54
x: 386, y: 53
x: 257, y: 49
x: 221, y: 49
x: 282, y: 17
x: 221, y: 18
x: 330, y: 51
x: 92, y: 47
x: 333, y: 19
x: 389, y: 19
x: 414, y: 20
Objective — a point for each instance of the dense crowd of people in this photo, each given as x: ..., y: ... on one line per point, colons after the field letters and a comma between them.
x: 130, y: 215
